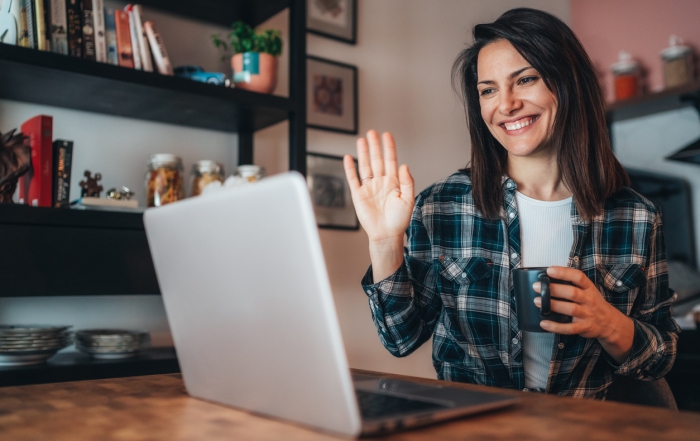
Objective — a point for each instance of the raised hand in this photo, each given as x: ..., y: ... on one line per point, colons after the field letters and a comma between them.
x: 382, y: 195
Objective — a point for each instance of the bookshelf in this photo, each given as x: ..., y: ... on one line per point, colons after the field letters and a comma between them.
x: 70, y: 252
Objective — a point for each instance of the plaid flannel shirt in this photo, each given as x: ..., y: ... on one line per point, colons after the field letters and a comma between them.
x: 456, y: 285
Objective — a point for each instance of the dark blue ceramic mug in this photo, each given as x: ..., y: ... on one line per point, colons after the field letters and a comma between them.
x: 529, y: 315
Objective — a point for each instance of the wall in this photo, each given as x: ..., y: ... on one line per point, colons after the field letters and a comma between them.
x: 404, y: 56
x: 643, y: 27
x: 640, y: 27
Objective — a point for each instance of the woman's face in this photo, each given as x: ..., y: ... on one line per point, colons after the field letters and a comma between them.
x: 516, y: 105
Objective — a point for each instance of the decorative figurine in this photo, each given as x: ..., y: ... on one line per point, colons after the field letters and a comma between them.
x: 90, y: 186
x: 15, y: 160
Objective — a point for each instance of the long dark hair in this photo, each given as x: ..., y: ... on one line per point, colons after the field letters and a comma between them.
x: 585, y: 159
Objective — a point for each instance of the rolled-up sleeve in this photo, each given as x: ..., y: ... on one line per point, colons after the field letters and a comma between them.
x: 655, y: 331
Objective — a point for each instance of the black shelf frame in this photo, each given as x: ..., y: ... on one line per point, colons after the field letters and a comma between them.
x: 77, y: 366
x: 69, y: 252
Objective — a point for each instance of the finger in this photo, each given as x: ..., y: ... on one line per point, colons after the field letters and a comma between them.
x: 351, y: 173
x: 363, y: 158
x: 406, y: 184
x: 566, y: 308
x: 375, y: 153
x: 391, y: 165
x: 572, y: 275
x: 559, y: 328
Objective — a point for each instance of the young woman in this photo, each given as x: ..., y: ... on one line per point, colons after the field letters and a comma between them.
x: 543, y: 189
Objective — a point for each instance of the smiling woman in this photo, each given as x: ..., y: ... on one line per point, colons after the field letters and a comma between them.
x: 543, y: 190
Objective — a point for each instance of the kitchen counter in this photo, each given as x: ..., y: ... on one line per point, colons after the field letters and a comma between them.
x: 157, y: 407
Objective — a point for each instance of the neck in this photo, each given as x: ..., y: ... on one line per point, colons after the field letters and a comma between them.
x: 538, y: 177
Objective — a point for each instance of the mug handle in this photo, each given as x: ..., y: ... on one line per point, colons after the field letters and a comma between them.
x: 546, y: 308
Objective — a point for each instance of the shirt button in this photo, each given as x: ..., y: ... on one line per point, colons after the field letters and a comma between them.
x: 618, y: 283
x: 464, y: 275
x: 369, y: 291
x: 510, y: 185
x: 511, y: 215
x: 514, y: 341
x: 560, y: 345
x: 514, y: 256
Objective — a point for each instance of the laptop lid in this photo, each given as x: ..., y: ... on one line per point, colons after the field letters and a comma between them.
x: 249, y: 304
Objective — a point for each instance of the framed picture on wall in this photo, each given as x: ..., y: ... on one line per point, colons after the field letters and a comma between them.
x: 330, y: 193
x: 335, y: 19
x: 331, y: 101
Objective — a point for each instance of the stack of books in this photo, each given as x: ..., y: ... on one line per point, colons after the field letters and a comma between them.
x: 86, y: 29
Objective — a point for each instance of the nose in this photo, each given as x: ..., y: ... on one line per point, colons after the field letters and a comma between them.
x: 509, y: 102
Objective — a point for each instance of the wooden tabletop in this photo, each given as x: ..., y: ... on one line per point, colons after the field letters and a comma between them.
x: 158, y: 408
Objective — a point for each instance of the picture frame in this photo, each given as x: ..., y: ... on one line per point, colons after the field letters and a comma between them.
x: 336, y: 19
x: 330, y: 192
x: 331, y: 95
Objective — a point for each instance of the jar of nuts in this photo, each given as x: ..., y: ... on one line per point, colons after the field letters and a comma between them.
x: 204, y: 173
x: 164, y: 181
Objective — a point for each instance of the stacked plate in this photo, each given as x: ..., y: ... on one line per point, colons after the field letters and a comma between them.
x: 111, y: 343
x: 31, y: 344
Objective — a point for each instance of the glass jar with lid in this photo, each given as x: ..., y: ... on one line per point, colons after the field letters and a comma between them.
x: 628, y: 78
x: 251, y: 173
x: 203, y: 173
x: 164, y: 180
x: 678, y: 63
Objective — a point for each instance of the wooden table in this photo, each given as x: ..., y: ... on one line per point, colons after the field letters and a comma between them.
x: 158, y: 408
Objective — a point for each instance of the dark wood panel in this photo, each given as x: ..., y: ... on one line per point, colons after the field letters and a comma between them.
x: 48, y: 261
x: 77, y: 366
x: 58, y: 80
x: 220, y: 12
x: 18, y: 214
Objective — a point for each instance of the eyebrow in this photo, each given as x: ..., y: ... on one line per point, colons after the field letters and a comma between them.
x: 511, y: 76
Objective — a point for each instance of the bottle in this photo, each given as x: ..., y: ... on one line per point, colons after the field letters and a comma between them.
x: 203, y: 173
x: 164, y: 182
x: 628, y: 79
x: 678, y: 63
x: 252, y: 173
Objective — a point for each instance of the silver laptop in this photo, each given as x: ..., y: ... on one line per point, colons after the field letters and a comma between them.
x: 250, y: 308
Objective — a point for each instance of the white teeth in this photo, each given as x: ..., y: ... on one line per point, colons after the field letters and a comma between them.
x: 519, y: 124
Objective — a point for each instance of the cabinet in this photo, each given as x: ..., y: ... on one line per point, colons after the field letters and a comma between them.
x: 69, y: 252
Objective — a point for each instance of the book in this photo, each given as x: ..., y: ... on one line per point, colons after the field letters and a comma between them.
x: 59, y: 26
x: 88, y: 30
x: 111, y: 37
x: 62, y: 159
x: 22, y: 30
x: 106, y: 202
x: 75, y: 31
x: 31, y: 22
x: 134, y: 38
x: 98, y: 18
x: 160, y: 55
x: 35, y: 186
x: 40, y: 26
x: 145, y: 50
x: 125, y: 51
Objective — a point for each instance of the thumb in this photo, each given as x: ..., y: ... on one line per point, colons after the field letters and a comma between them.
x: 406, y: 183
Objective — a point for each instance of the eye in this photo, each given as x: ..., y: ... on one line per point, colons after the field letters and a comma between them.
x: 530, y: 79
x: 485, y: 92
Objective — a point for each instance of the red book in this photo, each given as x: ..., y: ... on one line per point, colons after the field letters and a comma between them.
x: 125, y: 49
x: 36, y: 186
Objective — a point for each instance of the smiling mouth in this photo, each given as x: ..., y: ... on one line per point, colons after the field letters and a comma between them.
x: 519, y: 124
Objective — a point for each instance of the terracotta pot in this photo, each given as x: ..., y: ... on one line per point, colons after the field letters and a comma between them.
x: 255, y: 71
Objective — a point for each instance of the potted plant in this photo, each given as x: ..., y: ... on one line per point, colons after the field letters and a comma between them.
x: 254, y: 61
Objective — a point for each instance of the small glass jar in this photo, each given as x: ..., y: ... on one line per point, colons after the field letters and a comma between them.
x: 164, y: 180
x: 678, y: 63
x: 252, y: 173
x: 203, y: 173
x: 628, y: 78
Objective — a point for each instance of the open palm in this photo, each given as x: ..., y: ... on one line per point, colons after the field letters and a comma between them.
x: 383, y: 193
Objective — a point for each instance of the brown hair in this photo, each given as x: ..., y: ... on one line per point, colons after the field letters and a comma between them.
x: 585, y: 159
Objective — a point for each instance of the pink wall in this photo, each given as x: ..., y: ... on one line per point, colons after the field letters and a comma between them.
x: 641, y: 27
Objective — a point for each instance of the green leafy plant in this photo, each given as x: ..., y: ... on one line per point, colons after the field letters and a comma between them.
x: 243, y: 38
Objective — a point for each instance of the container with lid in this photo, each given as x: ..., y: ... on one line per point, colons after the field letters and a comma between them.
x: 678, y: 63
x: 628, y: 78
x: 203, y: 173
x: 252, y: 173
x: 164, y: 180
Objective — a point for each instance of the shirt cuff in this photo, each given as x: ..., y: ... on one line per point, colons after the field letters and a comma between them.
x: 646, y: 350
x: 392, y: 285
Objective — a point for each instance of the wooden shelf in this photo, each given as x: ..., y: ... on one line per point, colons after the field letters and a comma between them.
x: 59, y: 80
x: 220, y: 12
x: 16, y: 214
x: 75, y: 366
x: 650, y: 104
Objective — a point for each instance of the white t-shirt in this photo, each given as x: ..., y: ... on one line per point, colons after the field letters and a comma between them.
x: 546, y: 238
